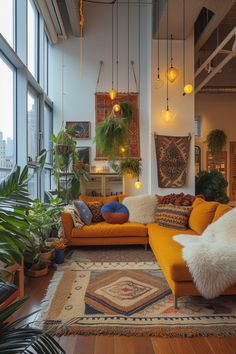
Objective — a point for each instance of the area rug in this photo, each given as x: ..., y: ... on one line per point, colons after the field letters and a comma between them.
x: 125, y: 297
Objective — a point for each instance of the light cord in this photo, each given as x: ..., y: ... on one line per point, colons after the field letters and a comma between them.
x: 128, y: 41
x: 112, y: 46
x: 183, y: 43
x: 139, y: 46
x: 158, y: 41
x: 117, y: 46
x: 167, y: 55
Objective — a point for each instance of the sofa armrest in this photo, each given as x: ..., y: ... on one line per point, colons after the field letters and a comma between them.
x: 68, y: 224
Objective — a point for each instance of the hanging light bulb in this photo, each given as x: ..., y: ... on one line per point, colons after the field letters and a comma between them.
x: 172, y: 73
x: 122, y: 150
x: 116, y: 107
x: 158, y: 83
x: 188, y: 89
x: 112, y: 94
x: 168, y: 115
x: 138, y: 184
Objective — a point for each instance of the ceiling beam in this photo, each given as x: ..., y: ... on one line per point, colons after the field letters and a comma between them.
x: 220, y: 9
x: 74, y: 17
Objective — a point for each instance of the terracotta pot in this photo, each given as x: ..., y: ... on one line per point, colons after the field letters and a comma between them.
x: 46, y: 256
x: 37, y: 272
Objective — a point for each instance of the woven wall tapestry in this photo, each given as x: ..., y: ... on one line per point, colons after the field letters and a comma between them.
x: 172, y: 160
x: 103, y: 107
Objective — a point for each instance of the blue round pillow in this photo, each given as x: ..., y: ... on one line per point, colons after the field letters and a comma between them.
x: 115, y: 213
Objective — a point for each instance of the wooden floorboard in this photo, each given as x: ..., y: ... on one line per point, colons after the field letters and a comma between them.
x: 77, y: 344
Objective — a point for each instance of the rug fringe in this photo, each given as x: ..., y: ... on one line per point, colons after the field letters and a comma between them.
x: 63, y: 330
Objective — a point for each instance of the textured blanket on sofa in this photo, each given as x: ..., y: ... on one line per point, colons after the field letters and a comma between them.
x: 211, y: 257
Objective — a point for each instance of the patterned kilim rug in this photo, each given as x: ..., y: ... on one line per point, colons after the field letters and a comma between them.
x: 123, y: 291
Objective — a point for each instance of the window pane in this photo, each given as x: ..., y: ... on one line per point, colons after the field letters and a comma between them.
x: 32, y: 34
x: 33, y: 183
x: 47, y: 180
x: 48, y: 132
x: 45, y: 62
x: 7, y: 150
x: 32, y: 126
x: 7, y: 20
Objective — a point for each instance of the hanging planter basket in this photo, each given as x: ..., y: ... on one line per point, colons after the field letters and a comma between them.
x: 216, y: 141
x: 64, y: 149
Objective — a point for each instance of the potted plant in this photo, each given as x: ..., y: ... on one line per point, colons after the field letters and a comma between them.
x: 43, y: 218
x: 59, y: 247
x: 68, y: 171
x: 216, y: 141
x: 113, y: 131
x: 129, y: 166
x: 212, y: 185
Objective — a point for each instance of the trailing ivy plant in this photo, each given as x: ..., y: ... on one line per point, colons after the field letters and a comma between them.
x: 212, y: 185
x: 216, y: 141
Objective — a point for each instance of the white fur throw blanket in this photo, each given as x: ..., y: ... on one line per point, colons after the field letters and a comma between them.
x: 211, y: 257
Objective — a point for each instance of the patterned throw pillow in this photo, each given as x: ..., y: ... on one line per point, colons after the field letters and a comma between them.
x: 84, y: 211
x: 73, y: 211
x: 95, y: 208
x: 173, y: 216
x: 176, y: 199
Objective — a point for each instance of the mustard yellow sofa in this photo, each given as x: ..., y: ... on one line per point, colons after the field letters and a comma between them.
x: 167, y: 252
x: 103, y: 233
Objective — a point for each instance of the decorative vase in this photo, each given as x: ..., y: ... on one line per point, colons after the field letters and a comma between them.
x: 59, y: 256
x: 46, y: 256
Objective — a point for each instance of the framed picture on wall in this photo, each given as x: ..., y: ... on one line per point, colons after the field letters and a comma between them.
x: 79, y: 130
x: 84, y: 154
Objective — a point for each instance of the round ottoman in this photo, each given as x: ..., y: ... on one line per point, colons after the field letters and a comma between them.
x: 115, y: 213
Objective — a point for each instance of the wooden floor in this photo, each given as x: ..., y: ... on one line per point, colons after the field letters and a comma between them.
x: 36, y: 288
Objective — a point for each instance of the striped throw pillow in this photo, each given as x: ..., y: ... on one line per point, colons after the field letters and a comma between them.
x: 173, y: 216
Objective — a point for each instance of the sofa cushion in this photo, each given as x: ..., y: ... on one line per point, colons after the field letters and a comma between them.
x: 174, y: 216
x: 202, y: 215
x: 103, y: 229
x: 95, y: 208
x: 168, y: 252
x: 141, y: 208
x: 221, y: 210
x: 115, y: 213
x: 84, y: 211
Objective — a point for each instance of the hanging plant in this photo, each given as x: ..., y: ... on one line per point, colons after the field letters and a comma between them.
x: 128, y: 167
x: 113, y: 132
x: 216, y: 141
x: 64, y: 144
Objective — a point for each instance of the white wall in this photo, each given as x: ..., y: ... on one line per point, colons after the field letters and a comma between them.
x: 218, y: 111
x: 79, y: 86
x: 183, y: 105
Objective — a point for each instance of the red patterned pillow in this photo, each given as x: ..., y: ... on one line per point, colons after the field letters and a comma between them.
x: 95, y: 208
x: 180, y: 199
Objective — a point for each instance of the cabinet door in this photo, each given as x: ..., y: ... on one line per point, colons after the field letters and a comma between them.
x: 233, y: 170
x: 113, y: 185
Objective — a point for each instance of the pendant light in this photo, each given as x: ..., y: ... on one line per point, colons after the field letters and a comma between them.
x: 116, y: 107
x: 188, y: 88
x: 138, y: 184
x: 172, y: 73
x: 168, y: 115
x: 112, y: 92
x: 158, y: 83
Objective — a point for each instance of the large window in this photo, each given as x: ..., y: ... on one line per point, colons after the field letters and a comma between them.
x: 7, y: 99
x: 32, y: 36
x: 7, y: 20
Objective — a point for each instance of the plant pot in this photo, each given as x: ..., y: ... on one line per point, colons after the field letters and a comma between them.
x: 59, y: 256
x: 46, y: 256
x: 64, y: 149
x: 37, y: 271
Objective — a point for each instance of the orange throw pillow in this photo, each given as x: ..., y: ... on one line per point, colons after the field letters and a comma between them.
x: 202, y: 215
x: 221, y: 210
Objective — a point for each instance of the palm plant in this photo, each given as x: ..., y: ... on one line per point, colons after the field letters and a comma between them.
x: 17, y: 337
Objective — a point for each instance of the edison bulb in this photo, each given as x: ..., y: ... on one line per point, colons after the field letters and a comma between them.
x: 138, y: 184
x: 112, y: 94
x: 172, y: 74
x: 122, y: 149
x: 116, y: 108
x: 168, y: 115
x: 188, y: 88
